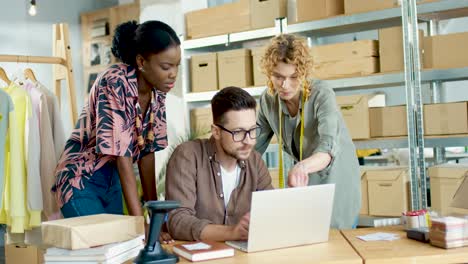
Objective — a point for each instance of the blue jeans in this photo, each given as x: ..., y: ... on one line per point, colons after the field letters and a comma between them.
x: 102, y: 194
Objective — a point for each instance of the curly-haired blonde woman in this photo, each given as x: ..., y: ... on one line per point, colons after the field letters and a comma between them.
x: 309, y: 126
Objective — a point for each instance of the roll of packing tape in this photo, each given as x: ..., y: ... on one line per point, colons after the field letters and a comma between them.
x: 412, y: 221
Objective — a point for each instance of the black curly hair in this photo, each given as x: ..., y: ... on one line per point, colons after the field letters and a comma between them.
x: 150, y: 37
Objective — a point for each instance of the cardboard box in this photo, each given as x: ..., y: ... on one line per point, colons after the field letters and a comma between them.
x: 18, y: 253
x: 388, y: 121
x: 391, y: 49
x: 235, y: 68
x: 345, y: 59
x: 345, y: 51
x: 264, y: 12
x: 90, y: 231
x: 460, y: 199
x: 388, y: 191
x: 445, y: 180
x: 204, y: 72
x: 360, y: 6
x: 307, y: 10
x: 274, y: 173
x: 346, y: 68
x: 355, y: 112
x: 446, y: 119
x: 445, y: 51
x: 259, y: 78
x: 201, y: 120
x: 364, y: 192
x: 218, y: 20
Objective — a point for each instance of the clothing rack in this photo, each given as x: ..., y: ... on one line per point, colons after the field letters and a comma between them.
x: 62, y: 65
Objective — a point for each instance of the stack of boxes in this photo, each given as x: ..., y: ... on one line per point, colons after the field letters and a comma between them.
x: 345, y: 59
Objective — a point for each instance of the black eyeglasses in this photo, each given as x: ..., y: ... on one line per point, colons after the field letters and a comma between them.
x: 239, y: 135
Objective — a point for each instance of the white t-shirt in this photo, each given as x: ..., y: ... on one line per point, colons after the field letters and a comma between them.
x: 230, y: 182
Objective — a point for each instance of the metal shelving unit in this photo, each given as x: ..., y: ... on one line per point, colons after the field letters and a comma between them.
x: 396, y: 79
x: 402, y: 142
x: 358, y: 83
x: 412, y: 78
x: 206, y: 96
x: 340, y: 24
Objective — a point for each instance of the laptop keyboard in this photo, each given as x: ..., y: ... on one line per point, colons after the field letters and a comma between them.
x: 242, y: 245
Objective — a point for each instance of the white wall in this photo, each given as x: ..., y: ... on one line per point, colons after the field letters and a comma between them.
x: 21, y: 34
x: 171, y: 12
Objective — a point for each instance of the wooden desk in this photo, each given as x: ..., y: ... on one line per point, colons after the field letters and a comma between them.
x: 337, y: 250
x: 403, y: 250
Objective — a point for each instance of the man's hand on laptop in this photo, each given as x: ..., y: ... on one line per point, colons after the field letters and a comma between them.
x: 241, y: 230
x: 297, y: 176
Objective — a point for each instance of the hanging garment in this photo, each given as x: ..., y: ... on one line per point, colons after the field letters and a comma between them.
x: 15, y: 211
x: 58, y: 134
x: 47, y: 151
x: 6, y: 106
x: 33, y: 155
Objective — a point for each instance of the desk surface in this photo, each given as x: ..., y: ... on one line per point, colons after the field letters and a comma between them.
x: 403, y: 250
x: 337, y: 250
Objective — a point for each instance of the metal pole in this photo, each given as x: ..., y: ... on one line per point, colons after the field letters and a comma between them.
x: 414, y: 105
x: 436, y: 93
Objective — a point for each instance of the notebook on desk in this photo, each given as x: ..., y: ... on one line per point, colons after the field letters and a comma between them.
x: 288, y: 217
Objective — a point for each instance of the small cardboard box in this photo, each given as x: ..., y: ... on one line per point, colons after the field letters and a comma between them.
x: 460, y: 199
x: 200, y: 121
x: 346, y: 68
x: 89, y: 231
x: 355, y: 111
x: 391, y: 48
x: 307, y: 10
x: 235, y: 68
x: 445, y: 51
x: 388, y: 191
x: 446, y: 119
x: 445, y: 180
x: 20, y: 253
x: 360, y: 6
x: 259, y: 78
x: 218, y: 20
x: 274, y: 173
x: 345, y: 51
x: 204, y: 72
x: 264, y: 12
x: 388, y: 121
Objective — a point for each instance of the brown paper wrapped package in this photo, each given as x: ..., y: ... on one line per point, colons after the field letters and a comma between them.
x: 91, y: 231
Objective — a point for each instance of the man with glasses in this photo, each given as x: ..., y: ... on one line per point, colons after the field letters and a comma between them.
x: 214, y: 178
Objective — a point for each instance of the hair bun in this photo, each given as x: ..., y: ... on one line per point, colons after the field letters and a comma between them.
x: 123, y: 46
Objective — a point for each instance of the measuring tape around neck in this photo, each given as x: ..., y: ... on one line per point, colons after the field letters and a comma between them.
x: 280, y: 139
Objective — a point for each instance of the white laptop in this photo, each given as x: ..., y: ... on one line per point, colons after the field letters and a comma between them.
x: 288, y: 217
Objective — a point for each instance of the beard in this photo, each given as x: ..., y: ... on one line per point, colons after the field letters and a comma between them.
x: 236, y: 152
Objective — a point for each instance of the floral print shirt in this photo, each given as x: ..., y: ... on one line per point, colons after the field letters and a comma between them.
x: 107, y: 129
